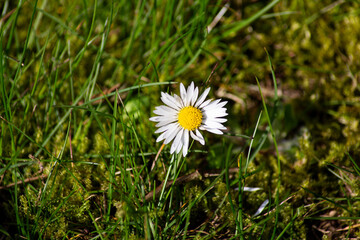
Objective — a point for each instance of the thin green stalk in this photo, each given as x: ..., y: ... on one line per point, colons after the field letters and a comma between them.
x: 52, y: 91
x: 251, y: 142
x: 243, y: 23
x: 172, y: 163
x: 227, y: 165
x: 242, y: 182
x: 16, y: 78
x: 112, y: 160
x: 18, y: 8
x: 240, y: 199
x: 287, y: 226
x: 278, y: 160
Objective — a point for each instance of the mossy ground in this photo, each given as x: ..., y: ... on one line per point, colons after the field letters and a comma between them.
x: 79, y: 81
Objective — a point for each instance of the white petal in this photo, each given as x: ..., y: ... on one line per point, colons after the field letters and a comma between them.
x: 212, y: 124
x: 164, y: 112
x: 204, y: 104
x: 164, y: 98
x: 200, y: 136
x: 214, y: 130
x: 161, y: 137
x: 183, y: 93
x: 170, y: 101
x: 192, y: 134
x: 180, y: 145
x: 174, y: 127
x: 213, y: 118
x: 186, y: 142
x: 179, y: 100
x: 156, y: 119
x: 189, y: 94
x: 219, y: 120
x: 202, y: 97
x: 177, y: 141
x: 165, y: 122
x: 215, y: 113
x: 221, y: 104
x: 167, y: 109
x: 214, y: 109
x: 175, y: 100
x: 251, y: 189
x: 172, y: 135
x: 194, y: 97
x: 211, y: 106
x: 261, y: 208
x: 165, y: 128
x: 217, y: 105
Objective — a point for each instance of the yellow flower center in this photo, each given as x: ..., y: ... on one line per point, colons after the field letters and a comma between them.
x: 190, y: 118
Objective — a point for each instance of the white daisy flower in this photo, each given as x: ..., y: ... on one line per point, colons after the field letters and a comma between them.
x: 186, y: 115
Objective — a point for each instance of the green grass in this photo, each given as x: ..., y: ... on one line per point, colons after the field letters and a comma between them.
x: 79, y: 81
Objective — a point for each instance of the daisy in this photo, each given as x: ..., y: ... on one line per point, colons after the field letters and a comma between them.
x: 186, y: 115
